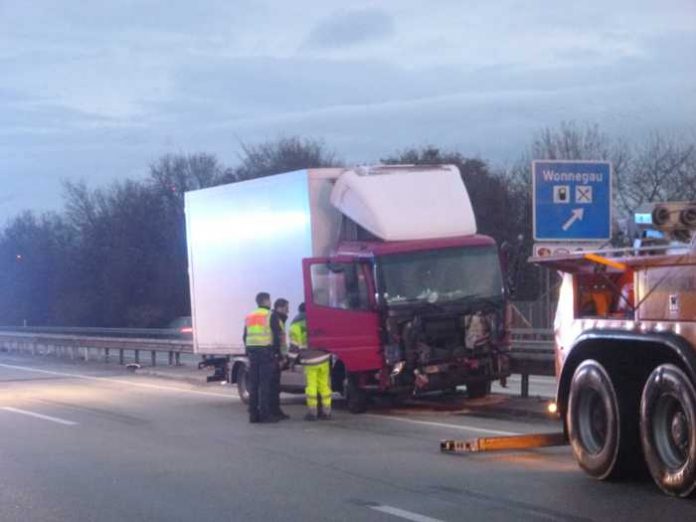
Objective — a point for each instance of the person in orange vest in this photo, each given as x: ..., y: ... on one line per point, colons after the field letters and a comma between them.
x: 258, y: 340
x: 279, y: 316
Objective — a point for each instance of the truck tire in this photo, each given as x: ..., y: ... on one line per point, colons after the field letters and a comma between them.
x: 594, y: 424
x: 668, y: 430
x: 243, y: 383
x: 476, y: 390
x: 356, y: 397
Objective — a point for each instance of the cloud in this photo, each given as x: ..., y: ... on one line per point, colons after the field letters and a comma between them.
x: 99, y: 91
x: 349, y: 28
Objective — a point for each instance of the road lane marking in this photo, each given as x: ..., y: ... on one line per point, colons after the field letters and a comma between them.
x: 40, y: 416
x: 402, y: 513
x: 462, y: 427
x: 118, y: 381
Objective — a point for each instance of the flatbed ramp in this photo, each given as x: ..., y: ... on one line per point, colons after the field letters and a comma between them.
x: 513, y: 442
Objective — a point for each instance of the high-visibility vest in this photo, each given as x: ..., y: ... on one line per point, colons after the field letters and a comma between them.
x: 298, y: 333
x: 258, y: 328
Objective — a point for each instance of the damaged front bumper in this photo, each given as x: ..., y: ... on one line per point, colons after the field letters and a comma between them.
x: 462, y: 371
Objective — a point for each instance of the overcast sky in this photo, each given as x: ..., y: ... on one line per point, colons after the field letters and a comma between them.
x: 98, y: 90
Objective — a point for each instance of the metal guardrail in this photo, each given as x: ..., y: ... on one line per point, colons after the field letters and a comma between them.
x: 532, y: 354
x: 532, y: 349
x: 77, y: 346
x: 139, y: 333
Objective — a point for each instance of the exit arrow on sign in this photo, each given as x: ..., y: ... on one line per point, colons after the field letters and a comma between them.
x: 578, y: 214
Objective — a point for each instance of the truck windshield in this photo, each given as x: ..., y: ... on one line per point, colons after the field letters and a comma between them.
x: 446, y: 275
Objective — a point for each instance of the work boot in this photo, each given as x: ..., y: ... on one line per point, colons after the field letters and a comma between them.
x: 281, y: 415
x: 269, y: 420
x: 311, y: 415
x: 325, y: 414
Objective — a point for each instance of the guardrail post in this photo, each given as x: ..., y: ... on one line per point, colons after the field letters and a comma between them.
x: 86, y: 353
x: 106, y: 355
x: 178, y: 360
x: 153, y: 356
x: 137, y: 356
x: 120, y: 356
x: 524, y: 391
x: 72, y: 353
x: 171, y: 358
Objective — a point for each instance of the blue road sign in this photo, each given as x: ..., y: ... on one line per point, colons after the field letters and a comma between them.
x: 572, y: 200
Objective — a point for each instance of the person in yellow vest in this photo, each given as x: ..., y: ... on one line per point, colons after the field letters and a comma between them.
x: 317, y: 367
x: 279, y: 317
x: 258, y: 340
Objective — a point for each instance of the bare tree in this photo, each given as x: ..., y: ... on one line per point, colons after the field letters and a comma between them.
x: 178, y: 173
x: 283, y: 155
x: 661, y: 169
x: 571, y: 141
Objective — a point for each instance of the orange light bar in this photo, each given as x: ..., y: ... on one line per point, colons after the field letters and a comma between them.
x: 607, y: 262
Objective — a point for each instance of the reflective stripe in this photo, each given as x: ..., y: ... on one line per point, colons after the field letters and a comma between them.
x: 258, y: 328
x: 313, y: 357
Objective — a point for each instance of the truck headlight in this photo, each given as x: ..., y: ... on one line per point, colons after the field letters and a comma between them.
x: 398, y: 368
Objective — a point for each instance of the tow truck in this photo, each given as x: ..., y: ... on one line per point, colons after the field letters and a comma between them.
x: 625, y: 355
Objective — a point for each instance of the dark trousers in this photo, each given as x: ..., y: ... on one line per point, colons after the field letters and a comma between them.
x: 261, y: 362
x: 275, y: 387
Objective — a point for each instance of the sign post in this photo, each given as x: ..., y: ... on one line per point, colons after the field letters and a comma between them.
x: 572, y: 200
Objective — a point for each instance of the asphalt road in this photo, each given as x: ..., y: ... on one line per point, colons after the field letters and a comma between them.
x: 84, y: 443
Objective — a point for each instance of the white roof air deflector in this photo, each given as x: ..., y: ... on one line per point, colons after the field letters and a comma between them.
x: 406, y: 203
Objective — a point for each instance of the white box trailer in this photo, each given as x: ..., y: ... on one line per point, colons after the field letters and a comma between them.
x: 248, y: 237
x: 251, y: 236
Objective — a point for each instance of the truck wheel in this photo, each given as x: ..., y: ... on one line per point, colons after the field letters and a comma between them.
x: 476, y: 390
x: 668, y: 430
x: 593, y: 420
x: 243, y: 384
x: 356, y: 397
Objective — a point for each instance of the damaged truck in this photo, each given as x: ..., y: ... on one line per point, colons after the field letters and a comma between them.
x: 398, y: 285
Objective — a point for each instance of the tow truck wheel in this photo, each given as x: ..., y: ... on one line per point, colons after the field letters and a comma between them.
x: 593, y: 420
x: 243, y: 383
x: 668, y: 430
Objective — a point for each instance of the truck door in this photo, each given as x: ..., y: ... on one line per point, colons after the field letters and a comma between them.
x: 341, y: 315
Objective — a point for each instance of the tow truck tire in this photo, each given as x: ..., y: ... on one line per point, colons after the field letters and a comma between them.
x: 243, y: 383
x: 356, y: 398
x: 668, y: 430
x: 477, y: 390
x: 593, y: 418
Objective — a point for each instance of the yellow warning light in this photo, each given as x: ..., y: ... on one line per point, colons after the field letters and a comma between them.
x: 552, y: 408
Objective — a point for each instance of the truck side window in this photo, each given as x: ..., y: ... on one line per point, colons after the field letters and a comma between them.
x: 340, y: 285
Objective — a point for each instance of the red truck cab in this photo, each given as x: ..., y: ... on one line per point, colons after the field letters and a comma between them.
x: 410, y: 316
